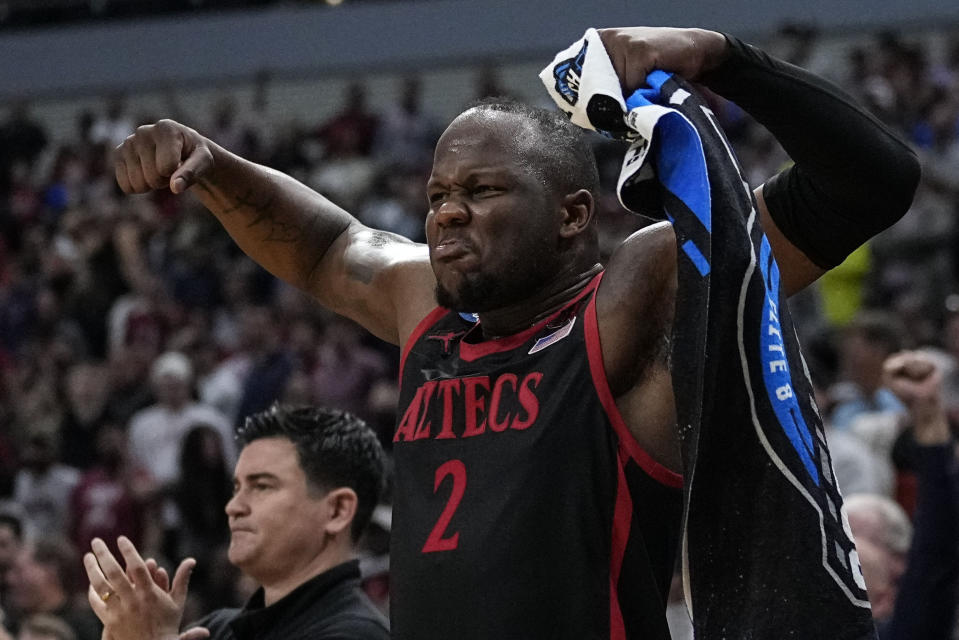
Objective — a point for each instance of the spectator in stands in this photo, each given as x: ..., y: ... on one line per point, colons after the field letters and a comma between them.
x: 407, y: 133
x: 87, y: 388
x: 305, y: 487
x: 128, y: 372
x: 225, y: 125
x: 114, y: 124
x: 860, y: 467
x: 201, y: 531
x: 157, y: 432
x: 22, y: 140
x: 112, y: 497
x: 43, y: 486
x: 352, y: 129
x: 951, y: 343
x: 43, y: 581
x: 270, y: 359
x: 883, y: 534
x: 866, y: 343
x: 395, y: 202
x: 11, y: 541
x: 489, y: 84
x: 33, y: 398
x: 913, y: 583
x: 220, y: 380
x: 259, y: 124
x: 347, y: 171
x: 346, y: 370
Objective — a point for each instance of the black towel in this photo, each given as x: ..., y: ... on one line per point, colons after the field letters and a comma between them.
x: 767, y: 552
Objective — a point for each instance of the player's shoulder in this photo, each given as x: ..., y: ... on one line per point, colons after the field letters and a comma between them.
x: 643, y: 263
x: 656, y: 239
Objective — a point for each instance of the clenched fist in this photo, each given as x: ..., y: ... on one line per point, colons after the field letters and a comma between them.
x: 635, y: 51
x: 165, y: 154
x: 916, y: 378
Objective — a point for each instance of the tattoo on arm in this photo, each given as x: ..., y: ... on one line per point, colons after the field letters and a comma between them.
x: 246, y: 200
x: 380, y: 239
x: 277, y: 229
x: 361, y: 271
x: 261, y: 206
x: 267, y: 213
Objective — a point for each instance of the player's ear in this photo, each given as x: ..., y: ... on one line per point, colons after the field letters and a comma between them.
x: 341, y: 506
x: 578, y: 209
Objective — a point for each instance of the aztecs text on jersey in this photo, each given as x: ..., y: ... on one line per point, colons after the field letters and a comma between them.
x: 523, y: 508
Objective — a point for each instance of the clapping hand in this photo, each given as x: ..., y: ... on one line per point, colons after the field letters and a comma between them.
x: 139, y: 602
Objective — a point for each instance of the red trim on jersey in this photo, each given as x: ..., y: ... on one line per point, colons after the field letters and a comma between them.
x: 473, y: 351
x: 470, y: 352
x: 431, y: 318
x: 622, y: 521
x: 594, y: 353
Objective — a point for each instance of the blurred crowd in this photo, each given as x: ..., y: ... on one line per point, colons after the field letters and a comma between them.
x: 134, y: 335
x: 30, y: 13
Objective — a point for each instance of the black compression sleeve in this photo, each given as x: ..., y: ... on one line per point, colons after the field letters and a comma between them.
x: 852, y: 176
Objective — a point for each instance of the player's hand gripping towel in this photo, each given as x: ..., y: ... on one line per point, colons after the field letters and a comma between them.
x: 767, y: 551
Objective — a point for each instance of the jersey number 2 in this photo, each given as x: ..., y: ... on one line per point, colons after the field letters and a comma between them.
x: 436, y: 541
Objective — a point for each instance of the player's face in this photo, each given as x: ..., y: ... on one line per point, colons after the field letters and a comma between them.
x: 493, y: 226
x: 276, y: 523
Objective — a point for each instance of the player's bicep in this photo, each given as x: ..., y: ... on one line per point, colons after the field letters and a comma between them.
x: 381, y: 280
x: 796, y: 270
x: 635, y: 305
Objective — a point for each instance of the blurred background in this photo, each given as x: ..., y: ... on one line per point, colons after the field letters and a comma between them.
x: 134, y: 335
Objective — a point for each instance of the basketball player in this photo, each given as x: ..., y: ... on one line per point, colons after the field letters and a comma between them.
x: 532, y: 432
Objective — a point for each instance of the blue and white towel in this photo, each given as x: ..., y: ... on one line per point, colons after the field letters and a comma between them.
x: 767, y: 551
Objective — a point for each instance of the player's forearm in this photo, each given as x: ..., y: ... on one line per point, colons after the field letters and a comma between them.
x: 853, y: 176
x: 279, y: 222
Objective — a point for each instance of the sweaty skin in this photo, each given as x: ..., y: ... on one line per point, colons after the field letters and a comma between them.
x: 498, y: 241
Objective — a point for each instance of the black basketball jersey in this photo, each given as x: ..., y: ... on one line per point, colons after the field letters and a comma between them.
x: 523, y: 506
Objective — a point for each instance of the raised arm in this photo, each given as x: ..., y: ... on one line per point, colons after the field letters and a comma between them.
x: 852, y: 176
x: 926, y: 601
x: 379, y: 279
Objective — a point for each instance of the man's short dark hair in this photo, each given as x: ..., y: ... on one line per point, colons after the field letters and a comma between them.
x: 563, y: 157
x: 335, y: 449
